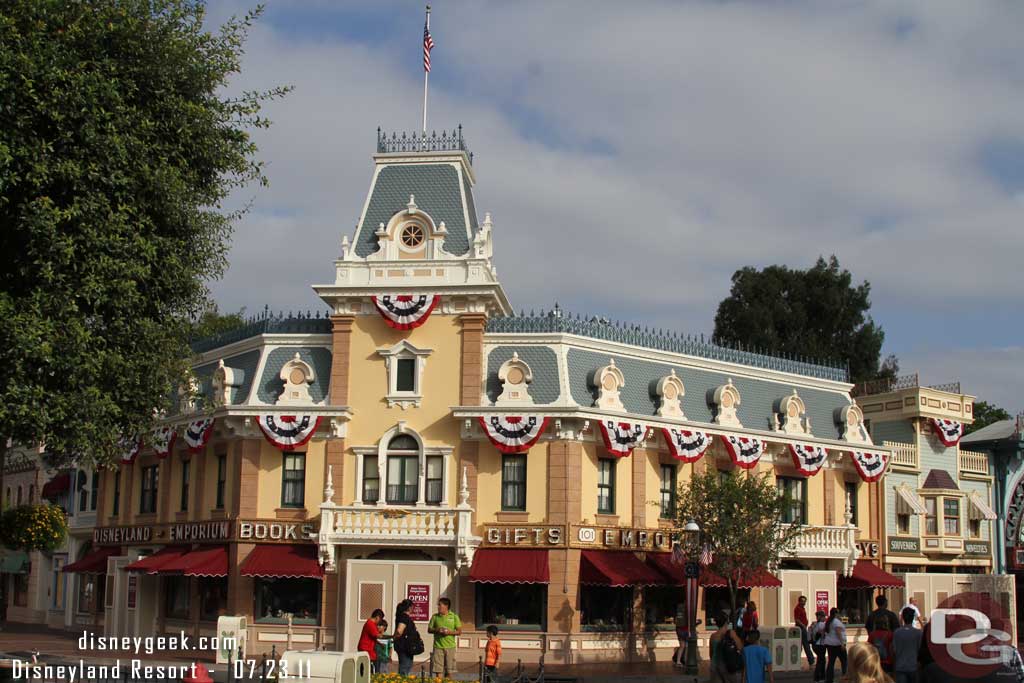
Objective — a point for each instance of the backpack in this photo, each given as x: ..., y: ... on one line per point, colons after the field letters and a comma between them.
x: 416, y: 643
x: 730, y: 654
x: 882, y: 644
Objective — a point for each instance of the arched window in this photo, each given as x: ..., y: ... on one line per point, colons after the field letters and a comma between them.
x: 403, y: 470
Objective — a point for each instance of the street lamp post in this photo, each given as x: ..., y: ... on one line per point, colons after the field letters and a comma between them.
x: 691, y: 544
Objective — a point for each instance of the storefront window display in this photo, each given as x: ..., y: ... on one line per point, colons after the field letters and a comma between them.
x: 855, y: 604
x: 276, y: 598
x: 716, y: 600
x: 176, y: 597
x: 213, y: 597
x: 662, y: 604
x: 518, y: 606
x: 605, y: 608
x: 91, y: 589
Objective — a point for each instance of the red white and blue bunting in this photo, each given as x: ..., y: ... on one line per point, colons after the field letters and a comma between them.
x: 513, y: 433
x: 948, y: 431
x: 130, y: 449
x: 288, y: 432
x: 686, y: 445
x: 808, y: 459
x: 620, y: 438
x: 406, y: 311
x: 198, y: 433
x: 163, y: 441
x: 745, y: 451
x: 870, y: 466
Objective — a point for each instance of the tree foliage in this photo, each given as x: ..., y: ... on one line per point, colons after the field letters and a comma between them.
x: 985, y: 413
x: 117, y: 150
x: 33, y: 527
x: 816, y: 313
x: 212, y: 322
x: 740, y: 516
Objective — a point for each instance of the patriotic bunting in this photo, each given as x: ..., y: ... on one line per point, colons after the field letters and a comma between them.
x: 870, y: 466
x: 406, y: 311
x: 948, y: 431
x: 288, y: 432
x: 744, y: 451
x: 808, y: 459
x: 620, y: 438
x: 163, y: 441
x: 513, y: 433
x: 686, y: 445
x: 130, y: 449
x: 198, y: 433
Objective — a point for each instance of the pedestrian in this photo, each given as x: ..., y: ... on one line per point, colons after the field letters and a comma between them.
x: 800, y: 619
x: 368, y: 638
x: 726, y: 651
x: 492, y: 654
x: 912, y: 604
x: 756, y: 659
x: 817, y: 635
x: 750, y: 620
x: 906, y: 644
x: 835, y: 644
x: 408, y: 641
x: 446, y: 626
x: 683, y: 636
x: 383, y: 649
x: 881, y: 639
x: 883, y: 614
x: 865, y: 666
x: 740, y: 613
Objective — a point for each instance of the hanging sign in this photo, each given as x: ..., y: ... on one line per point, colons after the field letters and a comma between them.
x: 948, y: 431
x: 198, y: 433
x: 745, y: 451
x: 870, y: 466
x: 163, y: 441
x: 513, y: 433
x: 620, y: 438
x: 808, y: 459
x: 686, y: 445
x: 405, y: 311
x: 288, y: 432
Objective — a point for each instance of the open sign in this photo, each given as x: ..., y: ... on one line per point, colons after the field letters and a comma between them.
x: 419, y: 594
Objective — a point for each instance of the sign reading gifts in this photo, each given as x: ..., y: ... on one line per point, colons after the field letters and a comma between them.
x: 419, y: 595
x: 536, y: 536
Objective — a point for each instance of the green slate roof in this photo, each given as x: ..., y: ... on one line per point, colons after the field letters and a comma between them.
x: 437, y: 191
x: 270, y: 384
x: 244, y: 364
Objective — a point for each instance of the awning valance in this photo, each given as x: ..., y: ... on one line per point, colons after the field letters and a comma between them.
x: 746, y: 578
x: 979, y: 508
x: 500, y: 565
x: 283, y: 562
x: 211, y: 561
x: 56, y: 486
x: 93, y: 563
x: 14, y: 562
x: 152, y: 564
x: 867, y: 574
x: 908, y: 502
x: 617, y: 568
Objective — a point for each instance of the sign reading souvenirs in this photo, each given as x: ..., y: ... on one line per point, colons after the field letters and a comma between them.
x: 288, y: 432
x: 948, y: 431
x: 905, y: 546
x: 620, y: 438
x: 276, y: 531
x: 868, y: 548
x: 619, y: 538
x: 513, y: 433
x: 686, y: 445
x: 419, y: 595
x: 405, y: 311
x: 870, y: 466
x: 122, y: 535
x: 519, y: 536
x: 744, y: 451
x: 808, y: 459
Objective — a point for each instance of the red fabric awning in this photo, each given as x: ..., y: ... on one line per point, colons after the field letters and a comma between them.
x: 747, y: 578
x: 210, y: 561
x: 494, y: 565
x: 283, y: 562
x: 152, y: 564
x: 867, y: 574
x: 617, y: 568
x: 662, y: 562
x: 93, y: 563
x: 56, y: 486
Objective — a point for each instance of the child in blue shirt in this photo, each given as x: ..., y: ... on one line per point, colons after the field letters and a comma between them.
x: 756, y: 659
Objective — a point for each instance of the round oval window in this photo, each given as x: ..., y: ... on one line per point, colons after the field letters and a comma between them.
x: 412, y: 236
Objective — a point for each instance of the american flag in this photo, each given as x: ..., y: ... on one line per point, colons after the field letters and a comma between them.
x: 706, y: 555
x: 428, y: 45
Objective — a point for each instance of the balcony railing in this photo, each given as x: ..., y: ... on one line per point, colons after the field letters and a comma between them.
x: 832, y: 542
x: 972, y: 462
x: 903, y: 454
x: 889, y: 384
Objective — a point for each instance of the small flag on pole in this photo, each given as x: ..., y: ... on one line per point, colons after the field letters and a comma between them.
x: 706, y: 556
x: 428, y: 45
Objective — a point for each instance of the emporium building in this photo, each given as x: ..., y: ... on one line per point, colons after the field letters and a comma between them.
x: 423, y: 441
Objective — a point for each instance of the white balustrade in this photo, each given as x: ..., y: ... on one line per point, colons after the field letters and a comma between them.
x: 835, y: 542
x: 903, y: 454
x: 972, y: 462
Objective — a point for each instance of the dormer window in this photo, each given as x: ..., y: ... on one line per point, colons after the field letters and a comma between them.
x: 404, y: 363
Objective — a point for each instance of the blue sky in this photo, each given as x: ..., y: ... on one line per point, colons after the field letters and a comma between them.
x: 679, y: 141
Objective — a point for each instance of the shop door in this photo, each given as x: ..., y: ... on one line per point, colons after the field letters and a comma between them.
x: 115, y: 616
x: 373, y: 584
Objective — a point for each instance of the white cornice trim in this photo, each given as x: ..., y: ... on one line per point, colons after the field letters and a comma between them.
x: 263, y: 340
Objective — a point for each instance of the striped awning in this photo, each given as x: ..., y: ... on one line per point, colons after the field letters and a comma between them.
x: 979, y: 509
x: 908, y: 502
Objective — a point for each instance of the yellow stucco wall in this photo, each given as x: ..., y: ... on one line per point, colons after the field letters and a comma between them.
x: 271, y: 463
x: 489, y: 484
x: 623, y: 484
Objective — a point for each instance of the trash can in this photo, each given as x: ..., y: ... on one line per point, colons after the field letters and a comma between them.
x: 794, y: 649
x: 232, y: 633
x: 318, y: 666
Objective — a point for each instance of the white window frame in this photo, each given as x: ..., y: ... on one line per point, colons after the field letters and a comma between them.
x: 404, y: 350
x: 381, y: 451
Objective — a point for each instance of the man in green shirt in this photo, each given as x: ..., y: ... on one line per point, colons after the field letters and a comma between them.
x: 445, y: 625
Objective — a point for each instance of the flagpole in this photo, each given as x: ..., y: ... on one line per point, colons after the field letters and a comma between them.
x: 426, y: 78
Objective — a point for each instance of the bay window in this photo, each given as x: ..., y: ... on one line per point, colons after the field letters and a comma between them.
x: 931, y: 521
x: 951, y: 516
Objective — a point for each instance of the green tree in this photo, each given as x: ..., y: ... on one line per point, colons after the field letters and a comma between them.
x: 212, y: 322
x: 740, y: 516
x: 815, y: 313
x: 117, y: 150
x: 985, y: 413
